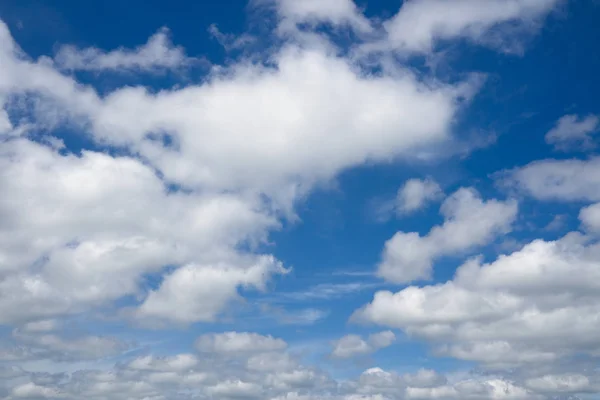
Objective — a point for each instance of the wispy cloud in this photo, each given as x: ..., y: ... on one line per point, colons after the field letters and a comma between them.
x: 306, y: 316
x: 329, y: 291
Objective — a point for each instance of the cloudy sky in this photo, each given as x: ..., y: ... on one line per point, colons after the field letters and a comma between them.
x: 299, y: 199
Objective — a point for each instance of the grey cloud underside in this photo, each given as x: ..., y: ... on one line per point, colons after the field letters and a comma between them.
x: 264, y: 372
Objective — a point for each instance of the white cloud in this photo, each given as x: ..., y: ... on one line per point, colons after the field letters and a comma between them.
x: 158, y: 54
x: 56, y: 346
x: 200, y: 292
x: 180, y: 362
x: 220, y: 144
x: 279, y: 376
x: 490, y: 389
x: 573, y: 132
x: 397, y: 113
x: 327, y: 291
x: 564, y: 383
x: 469, y: 222
x: 353, y: 345
x: 416, y: 193
x: 562, y: 180
x: 46, y: 325
x: 336, y: 12
x: 32, y: 391
x: 73, y: 223
x: 421, y: 24
x: 590, y: 217
x: 235, y: 389
x: 88, y: 217
x: 238, y: 343
x: 536, y: 305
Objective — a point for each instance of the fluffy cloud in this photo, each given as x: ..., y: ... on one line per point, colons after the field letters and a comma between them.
x: 166, y: 208
x: 421, y: 24
x: 199, y: 183
x: 88, y: 218
x: 573, y: 132
x: 238, y: 343
x: 562, y: 180
x: 199, y: 292
x: 469, y: 222
x: 535, y: 305
x: 416, y: 193
x: 590, y: 217
x: 353, y: 345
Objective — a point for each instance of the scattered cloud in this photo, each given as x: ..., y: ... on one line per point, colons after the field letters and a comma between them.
x: 158, y: 54
x: 416, y: 193
x: 558, y: 180
x: 536, y: 305
x: 420, y: 25
x: 164, y: 219
x: 573, y: 132
x: 470, y: 222
x: 353, y: 345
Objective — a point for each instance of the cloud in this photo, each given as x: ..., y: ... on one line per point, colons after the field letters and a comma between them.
x: 81, y: 212
x: 238, y: 343
x: 420, y: 25
x: 179, y: 190
x: 558, y: 180
x: 32, y: 391
x: 353, y: 345
x: 230, y: 41
x: 590, y: 217
x: 54, y: 346
x: 266, y: 372
x: 573, y: 132
x: 563, y: 383
x: 335, y: 12
x: 536, y: 305
x: 200, y: 292
x: 416, y: 193
x: 328, y: 291
x: 158, y: 54
x: 200, y: 169
x: 469, y: 222
x: 178, y: 363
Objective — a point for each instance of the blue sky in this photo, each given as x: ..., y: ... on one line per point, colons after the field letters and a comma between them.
x: 299, y: 199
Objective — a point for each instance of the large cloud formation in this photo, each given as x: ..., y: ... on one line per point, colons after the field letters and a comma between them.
x: 180, y: 188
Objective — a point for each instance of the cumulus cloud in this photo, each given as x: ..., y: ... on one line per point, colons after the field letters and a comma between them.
x: 200, y: 170
x: 469, y: 222
x: 559, y: 180
x: 536, y: 305
x: 590, y: 217
x: 199, y: 292
x: 573, y: 132
x: 91, y: 217
x: 167, y: 211
x: 353, y: 345
x: 416, y: 193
